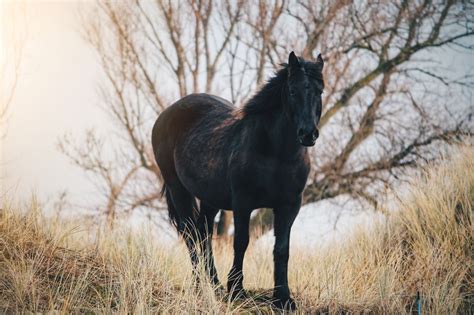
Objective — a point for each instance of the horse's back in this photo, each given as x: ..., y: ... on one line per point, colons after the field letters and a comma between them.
x: 176, y: 120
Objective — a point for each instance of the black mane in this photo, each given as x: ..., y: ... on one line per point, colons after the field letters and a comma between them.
x: 269, y: 95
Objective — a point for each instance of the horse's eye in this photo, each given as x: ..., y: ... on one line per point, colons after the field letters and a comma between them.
x: 292, y: 92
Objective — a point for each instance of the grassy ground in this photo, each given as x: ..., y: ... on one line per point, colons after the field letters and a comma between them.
x: 426, y: 248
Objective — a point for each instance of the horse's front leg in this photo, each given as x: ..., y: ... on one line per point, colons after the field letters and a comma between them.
x: 283, y: 220
x: 241, y: 241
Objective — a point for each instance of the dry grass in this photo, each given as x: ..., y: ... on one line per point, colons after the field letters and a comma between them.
x: 425, y: 248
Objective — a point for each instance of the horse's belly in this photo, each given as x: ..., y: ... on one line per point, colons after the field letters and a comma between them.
x: 215, y: 193
x: 206, y: 184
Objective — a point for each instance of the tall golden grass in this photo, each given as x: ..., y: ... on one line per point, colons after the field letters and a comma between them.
x: 420, y: 257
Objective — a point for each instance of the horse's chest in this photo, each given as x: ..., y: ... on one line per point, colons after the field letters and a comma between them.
x: 271, y: 181
x: 290, y: 177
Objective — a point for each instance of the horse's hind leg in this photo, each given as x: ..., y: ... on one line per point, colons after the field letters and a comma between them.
x: 206, y: 218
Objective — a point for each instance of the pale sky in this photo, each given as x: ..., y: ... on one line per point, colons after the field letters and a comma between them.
x: 56, y: 94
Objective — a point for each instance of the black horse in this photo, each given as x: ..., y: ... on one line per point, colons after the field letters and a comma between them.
x: 241, y: 159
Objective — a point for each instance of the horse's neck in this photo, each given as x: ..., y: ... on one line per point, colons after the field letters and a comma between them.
x: 275, y: 123
x: 282, y: 134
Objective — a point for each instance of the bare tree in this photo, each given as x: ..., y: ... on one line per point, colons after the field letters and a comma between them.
x: 385, y: 93
x: 151, y: 53
x: 388, y: 102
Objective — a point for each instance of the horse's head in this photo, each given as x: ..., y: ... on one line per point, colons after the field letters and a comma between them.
x: 305, y: 85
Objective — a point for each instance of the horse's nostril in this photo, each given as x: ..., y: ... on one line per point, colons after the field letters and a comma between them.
x: 315, y: 134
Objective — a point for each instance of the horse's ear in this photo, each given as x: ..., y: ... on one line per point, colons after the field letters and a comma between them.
x: 320, y: 61
x: 293, y: 62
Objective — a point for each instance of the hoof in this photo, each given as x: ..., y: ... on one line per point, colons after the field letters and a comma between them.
x: 219, y: 288
x: 220, y: 291
x: 287, y: 304
x: 237, y: 294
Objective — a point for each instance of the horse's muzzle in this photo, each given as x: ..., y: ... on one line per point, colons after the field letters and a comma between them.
x: 309, y: 140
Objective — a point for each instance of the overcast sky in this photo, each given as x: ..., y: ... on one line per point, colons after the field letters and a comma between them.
x: 56, y: 93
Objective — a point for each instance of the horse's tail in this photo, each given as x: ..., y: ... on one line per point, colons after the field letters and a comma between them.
x: 173, y: 214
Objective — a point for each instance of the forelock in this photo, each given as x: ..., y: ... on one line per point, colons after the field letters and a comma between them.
x: 313, y: 70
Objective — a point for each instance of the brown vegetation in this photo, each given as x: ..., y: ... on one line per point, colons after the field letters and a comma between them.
x: 425, y: 248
